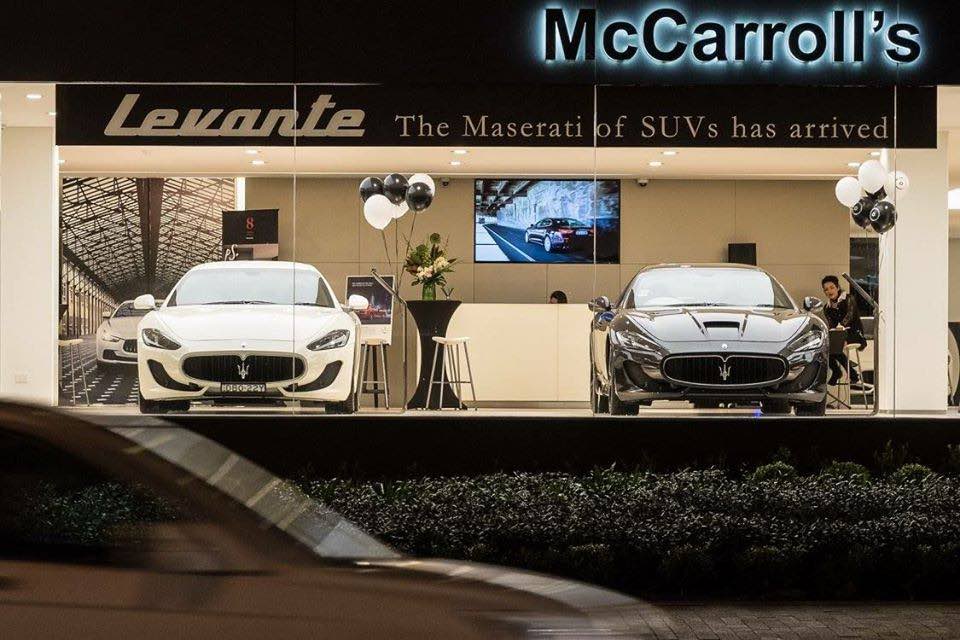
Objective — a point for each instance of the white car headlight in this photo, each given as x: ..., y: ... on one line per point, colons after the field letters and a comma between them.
x: 333, y: 340
x: 156, y: 339
x: 106, y: 336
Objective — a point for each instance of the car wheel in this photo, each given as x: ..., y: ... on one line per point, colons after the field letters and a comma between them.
x: 775, y: 407
x: 162, y: 406
x: 346, y: 407
x: 812, y: 408
x: 547, y: 244
x: 617, y: 406
x: 104, y: 367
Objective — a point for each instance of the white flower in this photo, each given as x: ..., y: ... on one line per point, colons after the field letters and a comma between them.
x: 441, y: 263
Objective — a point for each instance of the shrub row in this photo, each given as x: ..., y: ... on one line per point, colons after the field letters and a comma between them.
x: 769, y: 533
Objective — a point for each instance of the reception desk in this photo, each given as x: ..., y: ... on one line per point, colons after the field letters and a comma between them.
x: 527, y: 352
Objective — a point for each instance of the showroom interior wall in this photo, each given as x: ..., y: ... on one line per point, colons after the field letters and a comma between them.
x: 800, y: 230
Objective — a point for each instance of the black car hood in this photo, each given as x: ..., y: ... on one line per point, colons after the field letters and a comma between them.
x: 719, y: 324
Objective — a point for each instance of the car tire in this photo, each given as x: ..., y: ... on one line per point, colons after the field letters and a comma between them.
x: 347, y: 407
x: 547, y: 244
x: 775, y: 407
x: 104, y: 367
x: 617, y: 406
x: 162, y: 406
x: 812, y: 408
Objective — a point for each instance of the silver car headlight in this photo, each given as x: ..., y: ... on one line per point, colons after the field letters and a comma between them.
x: 333, y: 340
x: 156, y: 339
x: 106, y: 336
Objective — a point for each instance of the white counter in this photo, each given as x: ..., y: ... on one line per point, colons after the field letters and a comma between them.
x: 527, y: 352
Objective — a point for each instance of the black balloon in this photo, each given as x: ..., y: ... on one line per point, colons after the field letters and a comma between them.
x: 861, y: 211
x: 879, y: 195
x: 395, y: 188
x: 419, y: 196
x: 883, y: 216
x: 370, y: 187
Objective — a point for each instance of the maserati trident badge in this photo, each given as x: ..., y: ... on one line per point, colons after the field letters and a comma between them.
x: 243, y: 369
x: 725, y: 371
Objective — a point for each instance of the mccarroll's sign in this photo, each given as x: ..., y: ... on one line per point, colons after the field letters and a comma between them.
x: 496, y: 115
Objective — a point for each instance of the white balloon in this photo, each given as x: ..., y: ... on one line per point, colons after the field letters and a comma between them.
x: 848, y: 191
x: 399, y: 210
x: 897, y: 183
x: 425, y: 179
x: 378, y: 211
x: 872, y: 176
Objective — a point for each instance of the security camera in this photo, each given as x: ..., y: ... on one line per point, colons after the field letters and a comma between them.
x: 642, y: 182
x: 445, y: 182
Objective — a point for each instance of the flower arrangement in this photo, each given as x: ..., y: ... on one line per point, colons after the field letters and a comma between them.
x: 429, y: 265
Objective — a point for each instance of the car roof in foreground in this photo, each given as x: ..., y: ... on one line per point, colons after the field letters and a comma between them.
x: 255, y: 264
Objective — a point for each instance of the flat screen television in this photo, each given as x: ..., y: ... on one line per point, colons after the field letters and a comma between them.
x: 547, y: 221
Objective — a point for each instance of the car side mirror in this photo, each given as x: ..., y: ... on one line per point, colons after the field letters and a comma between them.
x: 146, y: 302
x: 107, y: 314
x: 600, y: 304
x: 812, y: 304
x: 356, y: 303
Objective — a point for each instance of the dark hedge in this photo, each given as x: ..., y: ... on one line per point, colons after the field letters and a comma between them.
x: 768, y: 533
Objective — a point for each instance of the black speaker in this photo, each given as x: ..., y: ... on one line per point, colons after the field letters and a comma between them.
x: 742, y: 253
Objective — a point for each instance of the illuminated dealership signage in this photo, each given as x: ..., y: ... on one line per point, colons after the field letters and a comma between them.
x: 665, y: 34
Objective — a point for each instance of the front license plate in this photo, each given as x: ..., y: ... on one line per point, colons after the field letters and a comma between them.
x: 581, y: 233
x: 243, y: 387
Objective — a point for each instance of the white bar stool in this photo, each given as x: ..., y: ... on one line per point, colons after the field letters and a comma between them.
x: 451, y: 362
x: 75, y: 357
x: 852, y: 351
x: 370, y: 349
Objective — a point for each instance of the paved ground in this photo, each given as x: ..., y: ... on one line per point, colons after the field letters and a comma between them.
x: 82, y: 383
x: 749, y: 621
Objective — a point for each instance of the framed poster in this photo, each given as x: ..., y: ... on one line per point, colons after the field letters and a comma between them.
x: 251, y: 235
x: 376, y: 321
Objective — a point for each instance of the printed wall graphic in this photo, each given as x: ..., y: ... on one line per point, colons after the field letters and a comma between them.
x: 251, y: 235
x: 377, y: 319
x: 547, y: 221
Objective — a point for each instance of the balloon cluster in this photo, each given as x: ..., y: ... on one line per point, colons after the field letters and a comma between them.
x: 871, y: 195
x: 389, y: 199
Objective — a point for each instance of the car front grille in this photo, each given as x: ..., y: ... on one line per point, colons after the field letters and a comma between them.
x: 252, y: 368
x: 724, y: 371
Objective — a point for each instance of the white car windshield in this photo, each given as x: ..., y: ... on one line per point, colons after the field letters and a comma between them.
x: 252, y: 286
x: 126, y: 310
x: 705, y: 287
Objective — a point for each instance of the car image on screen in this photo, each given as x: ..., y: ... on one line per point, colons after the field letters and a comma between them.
x: 547, y: 221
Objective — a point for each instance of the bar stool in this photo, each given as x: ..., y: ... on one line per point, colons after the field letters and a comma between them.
x: 370, y: 349
x: 451, y: 361
x: 75, y: 357
x: 853, y: 351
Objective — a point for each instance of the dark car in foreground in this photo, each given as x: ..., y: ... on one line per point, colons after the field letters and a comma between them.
x: 710, y: 334
x: 556, y: 234
x: 157, y: 532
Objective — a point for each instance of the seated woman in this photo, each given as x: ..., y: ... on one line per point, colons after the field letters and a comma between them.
x: 842, y: 313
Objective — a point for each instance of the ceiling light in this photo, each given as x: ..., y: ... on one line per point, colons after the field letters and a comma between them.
x: 61, y: 161
x: 853, y: 165
x: 34, y: 96
x: 459, y: 152
x: 258, y: 163
x: 670, y: 153
x: 656, y: 163
x: 51, y: 113
x: 875, y: 154
x: 455, y: 163
x: 251, y: 152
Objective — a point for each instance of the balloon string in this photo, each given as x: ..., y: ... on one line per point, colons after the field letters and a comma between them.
x: 386, y: 248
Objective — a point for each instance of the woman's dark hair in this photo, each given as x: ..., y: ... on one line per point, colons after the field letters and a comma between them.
x: 559, y: 296
x: 834, y: 279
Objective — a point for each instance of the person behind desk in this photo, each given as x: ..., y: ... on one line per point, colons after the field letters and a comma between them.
x: 842, y: 313
x: 558, y: 297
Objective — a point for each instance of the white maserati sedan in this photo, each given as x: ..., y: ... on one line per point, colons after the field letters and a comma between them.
x: 117, y: 336
x: 248, y: 332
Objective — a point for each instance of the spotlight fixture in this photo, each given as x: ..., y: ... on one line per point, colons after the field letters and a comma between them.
x: 258, y: 163
x: 460, y: 152
x: 656, y: 163
x: 670, y: 153
x: 252, y: 152
x: 34, y: 96
x: 455, y: 163
x: 853, y: 165
x: 61, y: 161
x: 52, y: 114
x: 875, y: 154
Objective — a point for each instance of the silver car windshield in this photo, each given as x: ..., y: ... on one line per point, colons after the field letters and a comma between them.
x: 705, y: 287
x: 277, y: 502
x: 251, y: 286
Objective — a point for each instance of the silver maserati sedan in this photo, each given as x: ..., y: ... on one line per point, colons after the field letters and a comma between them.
x: 157, y: 532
